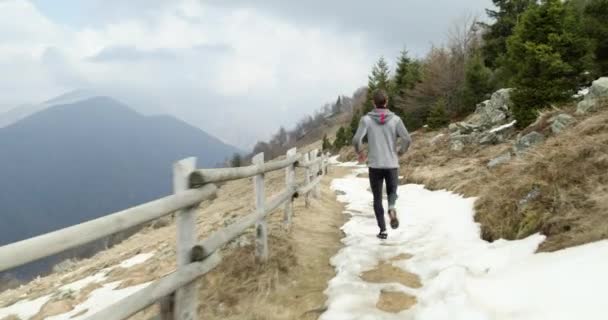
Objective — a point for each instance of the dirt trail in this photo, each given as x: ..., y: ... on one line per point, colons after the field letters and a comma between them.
x: 291, y: 284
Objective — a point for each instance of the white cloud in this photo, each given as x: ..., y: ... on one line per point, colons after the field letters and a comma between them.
x: 252, y: 68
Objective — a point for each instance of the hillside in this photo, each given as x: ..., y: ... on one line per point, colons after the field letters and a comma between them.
x: 289, y: 286
x: 21, y: 112
x: 75, y: 162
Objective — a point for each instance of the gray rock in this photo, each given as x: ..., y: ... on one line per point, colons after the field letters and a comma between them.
x: 587, y: 105
x: 463, y: 138
x: 453, y: 128
x: 466, y: 128
x: 436, y: 138
x: 597, y: 93
x: 527, y: 141
x: 560, y: 122
x: 503, y: 158
x: 457, y: 145
x: 492, y: 112
x: 599, y: 88
x: 488, y: 138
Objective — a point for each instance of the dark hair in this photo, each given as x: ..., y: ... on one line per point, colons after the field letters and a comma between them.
x: 380, y: 98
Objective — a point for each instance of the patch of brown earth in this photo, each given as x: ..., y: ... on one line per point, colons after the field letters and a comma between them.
x: 387, y: 273
x: 53, y: 308
x: 395, y: 302
x: 11, y: 317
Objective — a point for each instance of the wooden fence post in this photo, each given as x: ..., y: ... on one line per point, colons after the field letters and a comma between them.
x: 186, y: 298
x: 324, y: 164
x: 290, y: 177
x: 317, y: 168
x: 261, y: 228
x: 307, y: 179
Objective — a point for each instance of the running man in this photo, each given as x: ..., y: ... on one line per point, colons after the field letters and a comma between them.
x: 383, y: 128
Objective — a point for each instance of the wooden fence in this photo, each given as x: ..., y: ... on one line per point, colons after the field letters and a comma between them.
x: 176, y: 293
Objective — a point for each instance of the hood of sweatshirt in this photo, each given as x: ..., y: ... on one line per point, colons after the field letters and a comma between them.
x: 381, y: 116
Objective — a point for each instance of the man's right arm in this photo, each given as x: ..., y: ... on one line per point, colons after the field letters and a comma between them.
x: 358, y: 137
x: 406, y: 140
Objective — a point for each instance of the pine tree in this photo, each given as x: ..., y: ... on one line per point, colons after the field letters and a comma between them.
x: 495, y: 37
x: 378, y: 79
x: 438, y: 116
x: 407, y: 73
x: 342, y: 138
x: 354, y: 123
x: 477, y: 85
x: 236, y: 160
x: 547, y: 55
x: 595, y: 22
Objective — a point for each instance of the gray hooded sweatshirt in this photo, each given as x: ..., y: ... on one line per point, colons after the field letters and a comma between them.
x: 382, y: 128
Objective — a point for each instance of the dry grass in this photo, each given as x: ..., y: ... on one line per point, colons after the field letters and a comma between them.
x: 558, y: 188
x: 565, y: 181
x: 289, y: 286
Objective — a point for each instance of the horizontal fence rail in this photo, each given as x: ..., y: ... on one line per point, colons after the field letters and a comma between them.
x: 25, y: 251
x: 176, y: 292
x: 202, y: 176
x: 157, y: 290
x: 231, y: 232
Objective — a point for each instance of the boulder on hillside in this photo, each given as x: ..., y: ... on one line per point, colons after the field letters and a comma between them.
x: 597, y: 92
x: 492, y: 112
x: 498, y: 134
x: 486, y: 125
x: 527, y: 141
x: 560, y: 122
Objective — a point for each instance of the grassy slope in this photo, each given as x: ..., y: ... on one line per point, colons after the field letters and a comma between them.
x: 569, y: 171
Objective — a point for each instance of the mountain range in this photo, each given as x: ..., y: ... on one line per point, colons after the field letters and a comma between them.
x: 69, y: 163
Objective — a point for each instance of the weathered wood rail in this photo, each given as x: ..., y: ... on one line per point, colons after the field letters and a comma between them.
x: 176, y: 293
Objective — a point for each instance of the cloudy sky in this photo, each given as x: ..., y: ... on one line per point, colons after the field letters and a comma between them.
x: 238, y: 69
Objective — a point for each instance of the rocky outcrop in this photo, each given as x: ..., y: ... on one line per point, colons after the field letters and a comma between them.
x: 493, y: 112
x: 487, y: 125
x: 560, y: 122
x: 597, y: 93
x: 527, y: 141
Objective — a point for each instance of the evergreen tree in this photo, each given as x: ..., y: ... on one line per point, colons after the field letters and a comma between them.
x: 438, y: 116
x: 477, y: 84
x: 378, y: 79
x: 342, y: 138
x: 495, y: 37
x: 326, y: 144
x: 407, y: 73
x: 547, y: 55
x: 354, y: 123
x: 236, y: 160
x: 595, y: 22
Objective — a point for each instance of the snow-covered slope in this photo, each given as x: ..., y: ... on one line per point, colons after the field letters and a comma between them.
x: 463, y: 277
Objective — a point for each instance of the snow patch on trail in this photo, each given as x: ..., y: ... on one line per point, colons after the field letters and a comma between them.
x: 25, y: 309
x: 82, y: 283
x: 99, y: 300
x: 463, y: 276
x: 138, y: 259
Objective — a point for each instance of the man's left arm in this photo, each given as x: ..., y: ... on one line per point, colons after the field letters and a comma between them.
x: 406, y: 140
